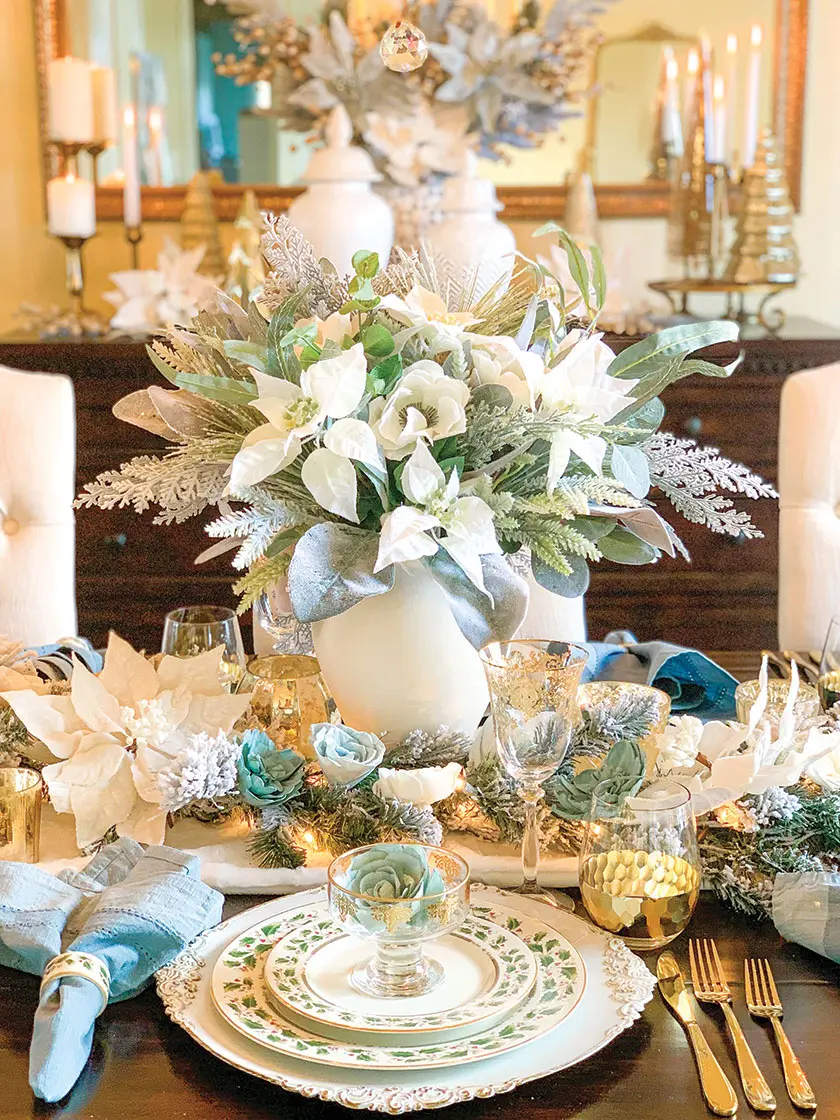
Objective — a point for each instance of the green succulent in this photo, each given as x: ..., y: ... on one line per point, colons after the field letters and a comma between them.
x: 620, y: 776
x: 268, y: 776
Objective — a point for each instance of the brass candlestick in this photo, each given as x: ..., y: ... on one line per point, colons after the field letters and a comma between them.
x: 134, y: 235
x: 76, y: 321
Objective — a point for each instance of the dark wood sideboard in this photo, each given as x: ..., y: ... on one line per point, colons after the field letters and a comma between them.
x: 130, y: 572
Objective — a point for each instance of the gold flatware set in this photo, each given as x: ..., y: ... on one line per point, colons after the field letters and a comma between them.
x: 709, y: 983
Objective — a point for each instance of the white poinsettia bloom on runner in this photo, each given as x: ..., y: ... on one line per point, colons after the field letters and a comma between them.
x: 425, y: 405
x: 328, y: 389
x: 499, y: 361
x: 421, y: 307
x: 580, y: 385
x: 467, y: 521
x: 116, y: 731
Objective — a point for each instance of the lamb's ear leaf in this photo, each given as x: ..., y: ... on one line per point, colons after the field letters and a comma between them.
x: 482, y: 617
x: 332, y: 569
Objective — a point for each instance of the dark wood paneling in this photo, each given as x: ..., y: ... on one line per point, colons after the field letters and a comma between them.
x: 131, y: 572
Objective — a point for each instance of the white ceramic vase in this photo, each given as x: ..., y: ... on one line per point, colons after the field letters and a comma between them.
x: 469, y: 235
x: 398, y: 662
x: 551, y: 616
x: 339, y: 213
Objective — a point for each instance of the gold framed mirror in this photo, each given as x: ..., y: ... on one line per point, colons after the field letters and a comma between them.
x: 526, y: 195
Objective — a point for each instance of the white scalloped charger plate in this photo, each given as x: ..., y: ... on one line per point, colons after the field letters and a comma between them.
x: 618, y: 987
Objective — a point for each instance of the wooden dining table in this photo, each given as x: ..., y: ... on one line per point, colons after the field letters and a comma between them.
x: 143, y: 1067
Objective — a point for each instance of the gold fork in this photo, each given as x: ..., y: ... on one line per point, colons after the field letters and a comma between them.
x: 763, y: 1002
x: 710, y: 986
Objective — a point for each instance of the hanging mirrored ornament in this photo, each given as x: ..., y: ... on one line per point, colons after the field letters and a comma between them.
x: 403, y: 47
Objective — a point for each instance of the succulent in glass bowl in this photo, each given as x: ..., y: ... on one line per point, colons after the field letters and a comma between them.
x: 398, y: 896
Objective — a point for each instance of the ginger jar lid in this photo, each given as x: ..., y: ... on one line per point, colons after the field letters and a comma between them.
x: 339, y: 161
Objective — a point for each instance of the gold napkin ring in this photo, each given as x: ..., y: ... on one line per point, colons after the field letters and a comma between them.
x: 85, y: 965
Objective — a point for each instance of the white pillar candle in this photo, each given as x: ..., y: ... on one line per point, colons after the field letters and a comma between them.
x: 131, y: 188
x: 673, y: 129
x: 71, y: 207
x: 753, y: 96
x: 719, y: 136
x: 104, y: 105
x: 732, y: 94
x: 691, y: 68
x: 708, y: 98
x: 70, y: 100
x: 155, y: 122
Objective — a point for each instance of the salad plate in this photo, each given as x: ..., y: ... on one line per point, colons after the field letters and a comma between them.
x: 489, y: 971
x: 239, y: 993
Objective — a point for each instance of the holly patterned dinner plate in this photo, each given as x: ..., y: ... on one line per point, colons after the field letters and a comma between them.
x: 489, y: 971
x: 240, y: 995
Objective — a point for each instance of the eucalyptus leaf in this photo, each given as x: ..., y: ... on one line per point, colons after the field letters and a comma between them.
x: 568, y: 586
x: 331, y: 570
x: 383, y: 375
x: 481, y: 618
x: 365, y: 263
x: 283, y: 539
x: 629, y: 466
x: 494, y: 396
x: 378, y: 341
x: 624, y: 547
x: 599, y: 277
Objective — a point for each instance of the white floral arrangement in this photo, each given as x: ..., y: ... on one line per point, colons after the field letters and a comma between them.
x: 494, y: 87
x: 344, y: 425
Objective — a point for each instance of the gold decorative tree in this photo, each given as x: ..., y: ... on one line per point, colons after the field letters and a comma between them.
x: 764, y: 251
x: 200, y: 226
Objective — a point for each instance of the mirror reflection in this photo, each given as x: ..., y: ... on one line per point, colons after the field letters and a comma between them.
x: 631, y: 100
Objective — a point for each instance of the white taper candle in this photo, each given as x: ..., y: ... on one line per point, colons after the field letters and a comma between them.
x: 131, y: 189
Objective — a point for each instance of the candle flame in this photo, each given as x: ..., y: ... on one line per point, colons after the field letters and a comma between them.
x: 672, y: 69
x: 70, y: 177
x: 756, y: 35
x: 129, y: 116
x: 720, y: 88
x: 732, y: 44
x: 693, y: 64
x: 155, y: 119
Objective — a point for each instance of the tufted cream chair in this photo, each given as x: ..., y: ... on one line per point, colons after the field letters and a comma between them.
x: 37, y: 483
x: 809, y: 505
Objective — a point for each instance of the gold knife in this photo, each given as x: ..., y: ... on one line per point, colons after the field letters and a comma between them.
x: 719, y: 1094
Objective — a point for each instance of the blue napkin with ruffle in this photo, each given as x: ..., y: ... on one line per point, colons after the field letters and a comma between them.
x: 135, y: 909
x: 696, y: 685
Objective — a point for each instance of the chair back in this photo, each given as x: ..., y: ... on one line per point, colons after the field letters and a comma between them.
x: 809, y: 507
x: 37, y: 485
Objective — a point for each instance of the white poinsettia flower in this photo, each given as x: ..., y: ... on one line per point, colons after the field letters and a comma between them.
x: 404, y: 536
x: 499, y: 361
x: 580, y: 383
x: 421, y: 787
x: 330, y: 389
x: 114, y: 732
x: 171, y: 294
x: 421, y: 307
x: 329, y: 474
x: 826, y: 770
x: 580, y: 386
x: 467, y: 521
x: 425, y: 405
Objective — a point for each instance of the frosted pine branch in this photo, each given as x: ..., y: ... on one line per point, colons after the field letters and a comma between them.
x: 692, y: 477
x: 256, y: 526
x: 181, y: 489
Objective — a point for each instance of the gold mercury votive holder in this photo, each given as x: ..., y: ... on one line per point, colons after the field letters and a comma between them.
x: 288, y: 695
x: 20, y: 814
x: 806, y: 707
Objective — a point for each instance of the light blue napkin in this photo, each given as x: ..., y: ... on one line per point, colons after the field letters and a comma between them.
x: 134, y: 908
x: 806, y: 909
x: 696, y: 685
